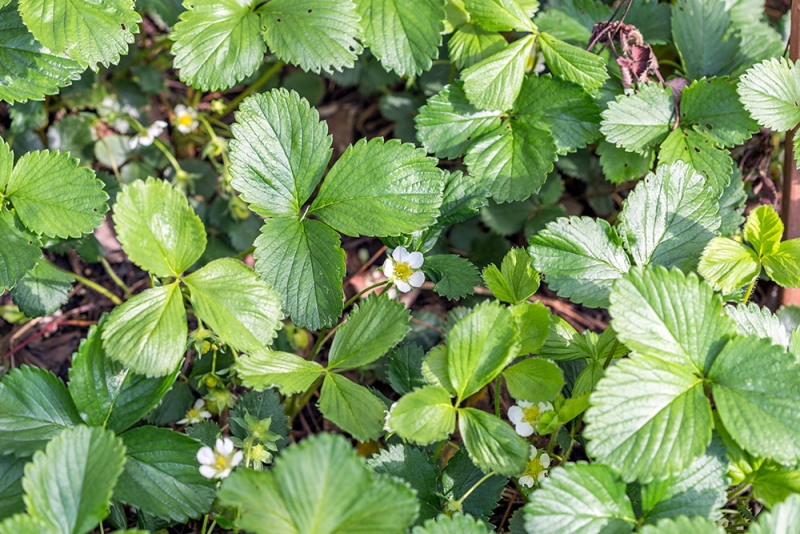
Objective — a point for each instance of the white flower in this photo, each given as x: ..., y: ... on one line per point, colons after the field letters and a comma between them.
x: 195, y: 414
x: 185, y: 119
x: 218, y: 463
x: 402, y: 267
x: 388, y: 413
x: 525, y: 415
x: 147, y: 137
x: 536, y: 467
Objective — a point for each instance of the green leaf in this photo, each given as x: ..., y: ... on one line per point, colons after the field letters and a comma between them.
x: 464, y: 194
x: 754, y: 384
x: 683, y: 525
x: 782, y: 518
x: 241, y: 309
x: 89, y: 32
x: 316, y: 35
x: 732, y: 204
x: 68, y: 486
x: 434, y: 368
x: 670, y: 315
x: 532, y: 320
x: 649, y: 418
x: 753, y: 320
x: 448, y: 124
x: 491, y: 443
x: 320, y: 486
x: 669, y: 218
x: 764, y: 229
x: 573, y: 63
x: 516, y: 280
x: 471, y: 44
x: 108, y: 394
x: 352, y: 407
x: 43, y: 290
x: 36, y: 407
x: 157, y: 228
x: 380, y: 189
x: 728, y: 265
x: 161, y: 475
x: 424, y: 416
x: 534, y: 380
x: 217, y: 43
x: 29, y: 70
x: 495, y: 82
x: 580, y: 499
x: 261, y: 405
x: 770, y: 91
x: 371, y: 331
x: 279, y: 152
x: 416, y: 467
x: 580, y: 258
x: 771, y: 487
x: 404, y: 368
x: 713, y: 107
x: 11, y: 470
x: 700, y: 33
x: 304, y: 262
x: 52, y: 195
x: 783, y: 265
x: 499, y: 15
x: 461, y: 475
x: 288, y: 372
x: 19, y: 250
x: 22, y: 524
x: 620, y: 166
x: 148, y: 332
x: 456, y: 524
x: 206, y: 432
x: 454, y: 277
x: 701, y: 154
x: 640, y: 121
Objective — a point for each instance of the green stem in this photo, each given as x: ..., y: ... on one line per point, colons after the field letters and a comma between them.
x: 473, y: 488
x: 91, y: 285
x: 744, y: 486
x: 357, y: 295
x: 439, y: 448
x: 301, y: 401
x: 205, y: 524
x: 497, y: 392
x: 552, y: 444
x: 245, y: 253
x: 611, y: 354
x: 117, y: 280
x: 111, y: 158
x: 174, y: 162
x: 749, y: 290
x: 255, y: 86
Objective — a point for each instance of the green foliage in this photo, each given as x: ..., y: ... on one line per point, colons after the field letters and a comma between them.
x: 454, y: 277
x: 700, y: 33
x: 43, y: 290
x: 515, y: 281
x: 425, y: 415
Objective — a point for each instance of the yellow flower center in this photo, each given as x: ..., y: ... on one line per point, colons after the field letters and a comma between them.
x: 185, y: 120
x: 222, y: 463
x: 531, y: 414
x: 534, y: 468
x: 402, y: 271
x: 193, y: 414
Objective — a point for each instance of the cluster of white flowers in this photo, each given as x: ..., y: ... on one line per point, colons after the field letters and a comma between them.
x: 525, y: 415
x: 149, y: 135
x: 196, y: 413
x: 402, y: 269
x: 220, y: 461
x: 537, y: 466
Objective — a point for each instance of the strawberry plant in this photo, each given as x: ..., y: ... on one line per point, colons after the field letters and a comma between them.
x: 424, y: 266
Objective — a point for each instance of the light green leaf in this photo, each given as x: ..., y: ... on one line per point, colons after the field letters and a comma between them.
x: 288, y: 372
x: 217, y: 43
x: 580, y: 499
x: 351, y: 407
x: 499, y: 15
x: 783, y: 518
x: 424, y: 416
x: 89, y: 32
x: 161, y: 475
x: 772, y: 486
x: 764, y: 229
x: 380, y: 189
x: 454, y: 277
x: 279, y: 152
x: 316, y: 34
x: 532, y: 320
x: 669, y: 218
x: 753, y: 320
x: 36, y: 407
x: 241, y: 309
x: 728, y: 265
x: 683, y: 525
x: 42, y: 290
x: 52, y: 195
x: 754, y: 384
x: 68, y: 486
x: 22, y: 524
x: 573, y: 63
x: 700, y: 33
x: 403, y: 34
x: 471, y: 44
x: 157, y: 228
x: 770, y: 91
x: 456, y: 524
x: 148, y: 332
x: 534, y: 380
x: 19, y: 250
x: 580, y: 258
x: 713, y: 107
x: 495, y: 82
x: 434, y: 368
x: 516, y: 280
x: 620, y: 165
x: 108, y: 394
x: 491, y: 443
x: 320, y: 486
x: 670, y: 315
x: 783, y: 265
x: 304, y: 262
x: 640, y: 121
x: 701, y: 154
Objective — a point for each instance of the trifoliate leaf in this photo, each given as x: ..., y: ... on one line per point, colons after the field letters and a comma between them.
x: 573, y: 63
x: 580, y: 499
x: 288, y: 372
x: 320, y: 486
x: 492, y: 443
x: 456, y: 524
x: 701, y: 154
x: 532, y: 321
x: 783, y: 517
x: 52, y: 195
x: 19, y: 250
x: 649, y: 418
x: 494, y: 83
x: 448, y: 124
x: 640, y: 121
x: 11, y: 469
x: 148, y: 332
x: 404, y: 368
x: 304, y: 262
x: 783, y: 264
x: 534, y: 380
x: 619, y: 165
x: 461, y: 475
x: 471, y: 44
x: 217, y: 43
x: 89, y: 32
x: 241, y: 309
x: 43, y: 290
x: 351, y: 407
x: 416, y: 467
x: 108, y: 394
x: 499, y: 15
x: 316, y: 35
x: 404, y: 36
x: 713, y: 107
x: 580, y: 258
x: 157, y: 228
x: 161, y: 475
x: 380, y: 189
x: 516, y: 280
x: 424, y: 416
x: 279, y: 152
x: 669, y: 218
x: 728, y: 265
x: 36, y: 407
x: 753, y: 320
x: 764, y: 229
x: 770, y: 91
x: 700, y: 33
x: 454, y: 277
x: 68, y: 486
x: 683, y: 525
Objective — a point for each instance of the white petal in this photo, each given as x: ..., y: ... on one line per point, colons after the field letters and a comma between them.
x: 205, y: 414
x: 400, y: 254
x: 160, y: 124
x: 180, y: 109
x: 545, y: 407
x: 199, y: 403
x: 223, y: 474
x: 415, y: 260
x: 545, y: 460
x: 185, y: 129
x: 533, y: 453
x: 133, y: 142
x: 388, y: 268
x: 182, y: 421
x: 227, y: 447
x: 205, y: 455
x: 416, y: 279
x: 402, y: 286
x: 524, y: 429
x: 515, y: 414
x: 146, y: 140
x: 237, y: 457
x: 208, y: 471
x: 524, y: 404
x: 526, y: 480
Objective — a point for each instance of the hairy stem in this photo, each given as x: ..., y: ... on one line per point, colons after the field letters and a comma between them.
x: 91, y: 285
